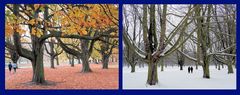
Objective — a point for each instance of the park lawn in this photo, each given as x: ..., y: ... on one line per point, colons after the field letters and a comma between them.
x: 65, y: 77
x: 173, y: 78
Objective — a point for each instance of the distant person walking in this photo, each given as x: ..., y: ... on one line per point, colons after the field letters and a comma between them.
x: 10, y: 67
x: 191, y: 69
x: 14, y: 65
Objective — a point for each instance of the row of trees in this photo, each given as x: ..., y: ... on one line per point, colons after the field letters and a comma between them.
x: 208, y: 31
x: 53, y: 25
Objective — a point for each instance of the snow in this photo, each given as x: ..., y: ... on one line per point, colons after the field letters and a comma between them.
x: 173, y: 78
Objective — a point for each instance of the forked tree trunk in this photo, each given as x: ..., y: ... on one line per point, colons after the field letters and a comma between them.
x: 36, y: 55
x: 202, y: 37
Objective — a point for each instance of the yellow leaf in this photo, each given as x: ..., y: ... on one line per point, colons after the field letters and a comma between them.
x: 84, y: 32
x: 32, y: 21
x: 19, y: 30
x: 36, y: 6
x: 33, y: 31
x: 8, y: 30
x: 38, y: 33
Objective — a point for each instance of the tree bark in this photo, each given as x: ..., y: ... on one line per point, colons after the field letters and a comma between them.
x: 52, y: 62
x: 196, y: 66
x: 86, y: 54
x: 38, y: 68
x: 79, y: 62
x: 147, y: 37
x: 219, y: 67
x: 85, y: 65
x: 152, y: 73
x: 230, y: 68
x: 105, y: 62
x: 162, y: 64
x: 133, y: 68
x: 180, y: 61
x: 57, y: 60
x: 206, y: 73
x: 72, y: 61
x: 36, y: 55
x: 202, y: 37
x: 181, y: 67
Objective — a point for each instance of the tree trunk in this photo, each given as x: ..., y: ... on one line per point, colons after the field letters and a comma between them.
x: 52, y: 62
x: 105, y: 62
x: 57, y: 60
x: 72, y: 61
x: 133, y: 68
x: 235, y: 66
x: 38, y: 69
x: 206, y: 73
x: 196, y: 66
x: 85, y: 65
x: 180, y: 63
x: 162, y: 65
x: 152, y: 74
x: 229, y: 65
x: 181, y: 67
x: 79, y: 62
x: 230, y: 68
x: 219, y: 67
x: 139, y: 65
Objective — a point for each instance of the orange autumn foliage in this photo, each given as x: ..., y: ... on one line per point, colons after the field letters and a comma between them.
x: 73, y: 18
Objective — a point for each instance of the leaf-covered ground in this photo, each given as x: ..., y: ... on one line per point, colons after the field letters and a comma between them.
x: 65, y: 77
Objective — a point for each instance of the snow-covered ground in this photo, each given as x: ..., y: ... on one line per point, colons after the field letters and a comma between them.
x: 173, y: 78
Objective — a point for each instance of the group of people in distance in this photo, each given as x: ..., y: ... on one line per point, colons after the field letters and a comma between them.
x: 190, y: 69
x: 12, y: 66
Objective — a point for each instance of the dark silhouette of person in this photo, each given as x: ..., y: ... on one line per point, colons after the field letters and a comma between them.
x: 10, y: 67
x: 14, y: 67
x: 189, y: 69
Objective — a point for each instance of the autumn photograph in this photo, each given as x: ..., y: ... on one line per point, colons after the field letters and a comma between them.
x: 179, y: 46
x: 61, y: 46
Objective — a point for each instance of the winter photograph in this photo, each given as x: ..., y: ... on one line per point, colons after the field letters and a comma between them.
x: 179, y: 46
x: 61, y: 46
